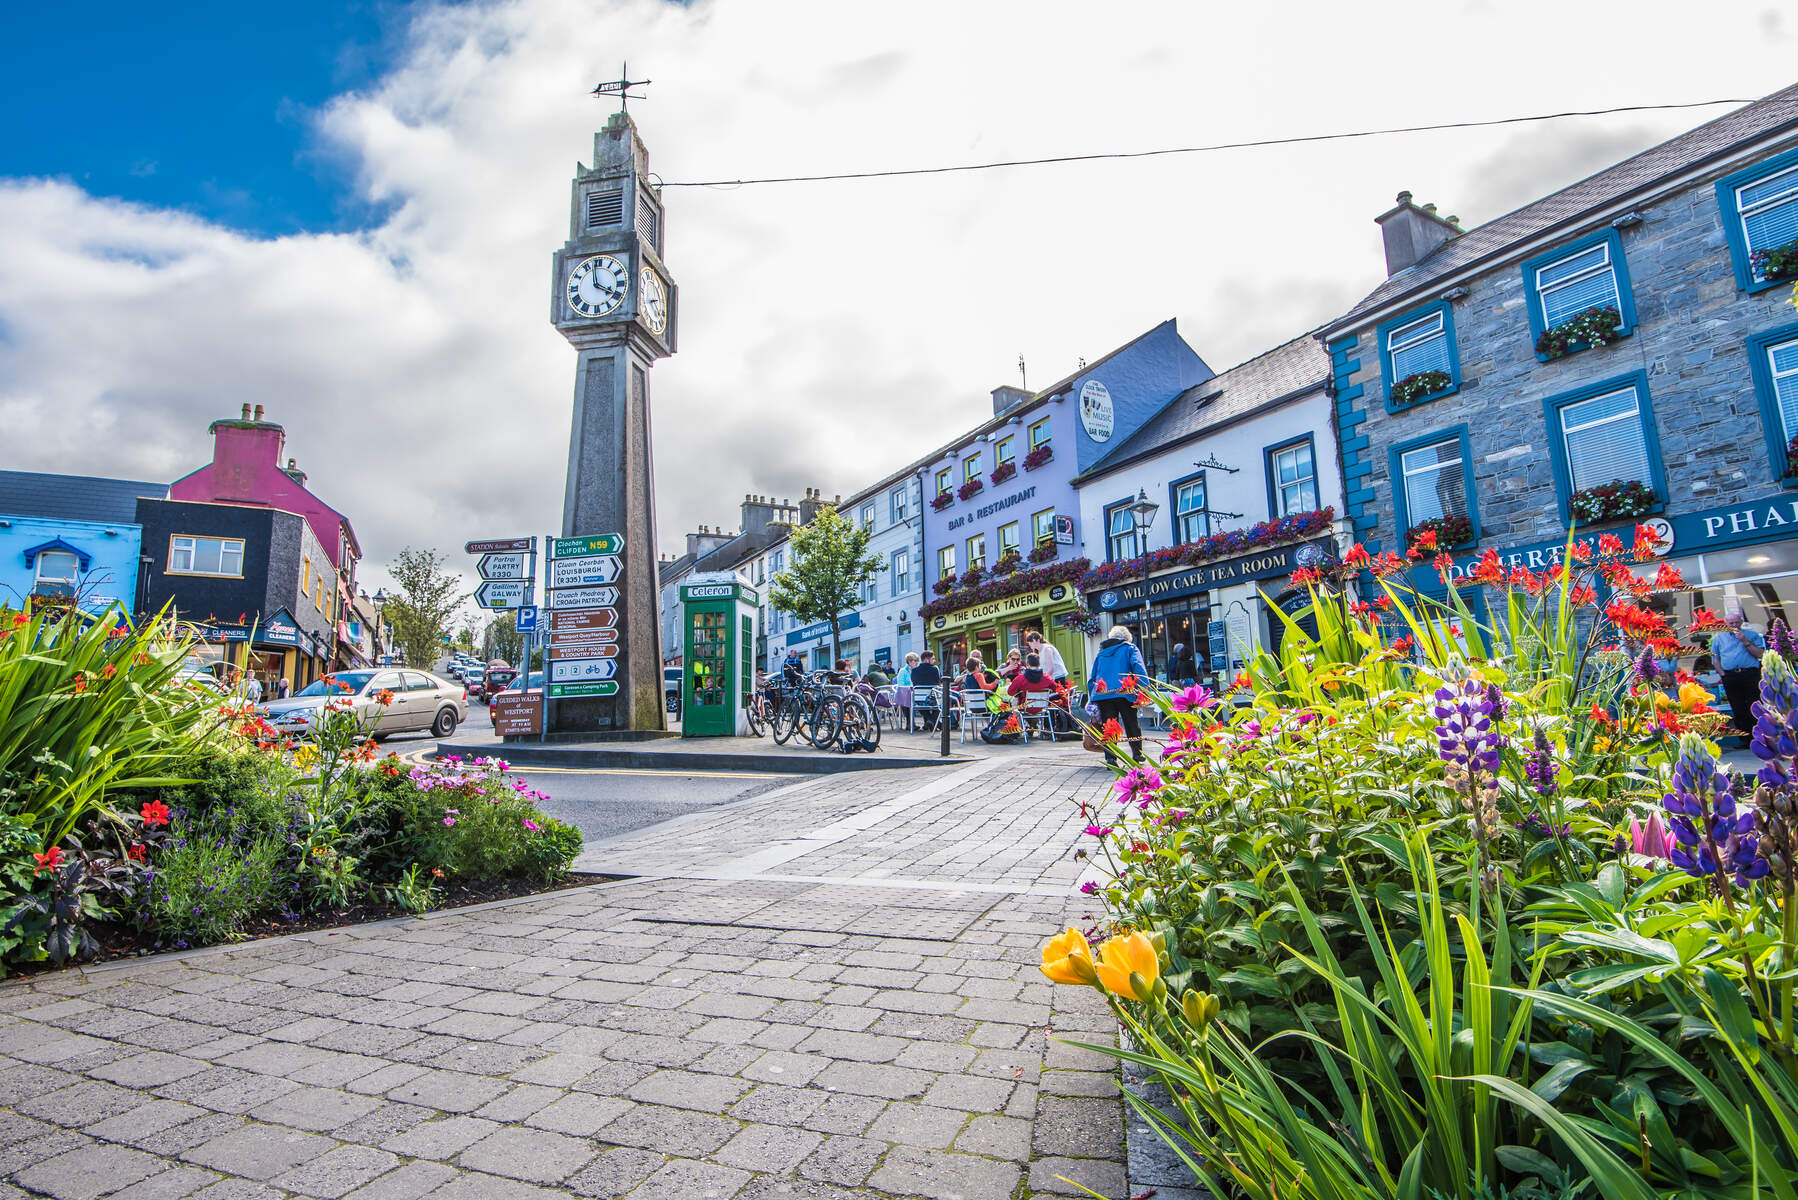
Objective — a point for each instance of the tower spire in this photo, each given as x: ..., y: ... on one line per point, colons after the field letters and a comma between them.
x: 621, y: 87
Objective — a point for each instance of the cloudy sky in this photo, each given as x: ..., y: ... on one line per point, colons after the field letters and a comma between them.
x: 348, y: 216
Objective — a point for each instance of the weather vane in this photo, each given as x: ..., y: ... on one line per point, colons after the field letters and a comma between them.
x: 621, y: 87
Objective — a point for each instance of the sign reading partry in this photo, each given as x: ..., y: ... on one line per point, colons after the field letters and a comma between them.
x: 504, y: 566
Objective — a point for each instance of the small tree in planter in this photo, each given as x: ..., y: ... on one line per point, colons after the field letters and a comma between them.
x: 1413, y: 388
x: 1038, y: 457
x: 1613, y: 501
x: 1004, y: 471
x: 1450, y: 531
x: 971, y: 488
x: 1597, y: 326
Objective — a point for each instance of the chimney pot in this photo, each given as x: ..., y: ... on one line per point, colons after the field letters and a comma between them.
x: 1430, y: 208
x: 1411, y: 233
x: 246, y: 412
x: 1404, y: 197
x: 259, y: 412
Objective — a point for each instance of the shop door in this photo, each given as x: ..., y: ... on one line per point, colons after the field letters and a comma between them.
x: 1072, y: 645
x: 1178, y: 630
x: 1298, y: 606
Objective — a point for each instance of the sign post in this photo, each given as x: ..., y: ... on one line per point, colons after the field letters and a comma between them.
x: 508, y: 571
x: 581, y: 591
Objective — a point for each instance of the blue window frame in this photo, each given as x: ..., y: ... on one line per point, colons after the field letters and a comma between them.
x: 899, y: 502
x: 1759, y: 207
x: 1186, y: 499
x: 1603, y: 433
x: 1120, y: 532
x: 1585, y: 273
x: 1432, y: 477
x: 1416, y: 342
x: 900, y: 572
x: 1773, y: 363
x: 1291, y: 477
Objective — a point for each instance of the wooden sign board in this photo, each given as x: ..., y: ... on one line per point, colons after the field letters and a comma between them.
x: 559, y: 650
x: 516, y: 714
x: 582, y: 618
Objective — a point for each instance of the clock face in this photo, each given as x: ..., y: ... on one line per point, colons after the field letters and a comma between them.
x: 597, y: 286
x: 652, y: 301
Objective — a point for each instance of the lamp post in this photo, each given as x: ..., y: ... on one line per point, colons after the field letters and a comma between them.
x: 383, y: 638
x: 1142, y: 512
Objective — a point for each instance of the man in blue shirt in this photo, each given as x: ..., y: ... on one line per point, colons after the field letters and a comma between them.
x: 1737, y: 651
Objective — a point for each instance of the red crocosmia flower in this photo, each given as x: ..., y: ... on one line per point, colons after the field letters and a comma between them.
x: 1609, y: 545
x: 1387, y: 563
x: 1445, y: 567
x: 1241, y: 680
x: 109, y: 671
x: 1111, y: 731
x: 1127, y: 685
x: 1357, y: 557
x: 1424, y: 543
x: 137, y: 852
x: 1306, y: 577
x: 1582, y: 595
x: 1706, y: 621
x: 1489, y: 570
x: 155, y: 812
x: 49, y: 860
x: 1361, y: 608
x: 1403, y: 646
x: 1647, y: 542
x: 384, y: 697
x: 1582, y: 552
x: 1664, y: 646
x: 1098, y: 686
x: 1668, y: 578
x: 1521, y: 579
x: 79, y: 683
x: 1602, y: 717
x: 1636, y: 622
x: 1668, y: 720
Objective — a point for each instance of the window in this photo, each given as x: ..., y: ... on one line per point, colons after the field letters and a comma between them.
x: 901, y: 572
x: 1433, y: 478
x: 1003, y: 451
x: 1191, y: 521
x: 1120, y: 534
x: 1416, y: 343
x: 1588, y: 273
x: 1039, y: 434
x: 1292, y: 478
x: 777, y: 562
x: 868, y: 516
x: 190, y: 555
x: 57, y: 567
x: 870, y: 591
x: 970, y: 467
x: 1760, y: 213
x: 977, y: 552
x: 1008, y: 539
x: 899, y: 501
x: 1603, y: 433
x: 1042, y: 527
x: 945, y: 563
x: 1773, y: 362
x: 605, y: 208
x: 944, y: 478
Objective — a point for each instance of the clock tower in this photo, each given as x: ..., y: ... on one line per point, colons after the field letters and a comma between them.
x: 611, y: 296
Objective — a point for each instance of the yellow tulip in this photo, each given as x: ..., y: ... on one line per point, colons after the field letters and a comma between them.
x: 1128, y: 966
x: 1068, y: 958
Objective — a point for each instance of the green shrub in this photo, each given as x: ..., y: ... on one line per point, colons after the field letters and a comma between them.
x: 471, y: 822
x: 216, y: 869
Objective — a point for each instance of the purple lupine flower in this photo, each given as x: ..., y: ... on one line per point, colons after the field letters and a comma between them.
x: 1469, y: 744
x: 1645, y: 669
x: 1779, y: 639
x: 1775, y: 738
x: 1714, y: 837
x: 1539, y: 767
x: 1538, y: 827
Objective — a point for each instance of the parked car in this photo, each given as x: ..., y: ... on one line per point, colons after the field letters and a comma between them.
x: 671, y: 689
x: 524, y: 683
x: 475, y: 678
x: 420, y: 701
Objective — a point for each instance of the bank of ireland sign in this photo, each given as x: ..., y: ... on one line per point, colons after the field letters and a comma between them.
x: 1095, y: 411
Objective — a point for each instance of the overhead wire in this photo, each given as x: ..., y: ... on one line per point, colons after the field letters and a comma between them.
x: 1299, y: 139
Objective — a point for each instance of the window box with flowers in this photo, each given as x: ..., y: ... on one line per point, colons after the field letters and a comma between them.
x: 1294, y: 527
x: 1598, y: 326
x: 1033, y: 580
x: 1791, y: 475
x: 1003, y: 471
x: 971, y: 488
x: 1778, y: 263
x: 1425, y: 385
x: 942, y: 500
x: 1008, y: 562
x: 943, y: 586
x: 1039, y: 456
x: 1613, y: 501
x: 972, y: 577
x: 1450, y: 531
x: 1045, y: 553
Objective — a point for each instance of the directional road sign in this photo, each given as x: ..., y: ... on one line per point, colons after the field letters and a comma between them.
x: 525, y: 619
x: 583, y: 637
x: 584, y: 572
x: 587, y: 546
x: 503, y: 593
x: 583, y: 618
x: 561, y: 691
x: 504, y: 566
x: 581, y: 670
x: 590, y: 597
x: 500, y: 545
x: 583, y: 650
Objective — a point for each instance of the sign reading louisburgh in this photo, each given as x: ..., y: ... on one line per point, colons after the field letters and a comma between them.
x: 587, y: 546
x: 584, y: 572
x: 593, y: 597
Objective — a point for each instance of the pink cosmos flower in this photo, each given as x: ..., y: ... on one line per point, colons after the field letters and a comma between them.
x: 1193, y: 699
x: 1139, y: 784
x: 532, y: 826
x: 1089, y: 888
x: 1099, y: 831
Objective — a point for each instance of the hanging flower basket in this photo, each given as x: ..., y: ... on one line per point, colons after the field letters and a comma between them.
x: 1004, y: 471
x: 1008, y: 562
x: 1045, y: 553
x: 1597, y: 326
x: 1080, y: 621
x: 971, y: 488
x: 1033, y: 580
x: 1038, y: 456
x: 1613, y: 501
x: 1781, y: 262
x: 972, y: 577
x: 1450, y: 532
x: 1413, y: 388
x: 942, y: 500
x: 943, y: 586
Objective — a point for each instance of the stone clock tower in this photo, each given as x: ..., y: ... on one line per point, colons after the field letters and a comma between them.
x: 611, y: 296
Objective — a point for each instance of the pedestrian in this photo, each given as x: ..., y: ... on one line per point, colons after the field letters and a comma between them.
x: 1053, y: 666
x: 1118, y: 671
x: 252, y: 688
x: 1738, y: 651
x: 1182, y: 668
x: 282, y: 688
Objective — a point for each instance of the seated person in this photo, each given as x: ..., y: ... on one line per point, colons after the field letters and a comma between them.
x: 841, y: 674
x: 926, y: 688
x: 1033, y: 680
x: 974, y: 677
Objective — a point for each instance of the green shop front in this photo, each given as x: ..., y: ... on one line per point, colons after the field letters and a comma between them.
x: 994, y: 627
x: 718, y: 624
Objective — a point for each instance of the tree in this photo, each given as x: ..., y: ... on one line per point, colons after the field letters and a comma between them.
x: 503, y: 639
x: 424, y: 612
x: 831, y: 562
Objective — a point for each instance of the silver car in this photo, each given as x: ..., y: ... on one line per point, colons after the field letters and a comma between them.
x: 421, y: 701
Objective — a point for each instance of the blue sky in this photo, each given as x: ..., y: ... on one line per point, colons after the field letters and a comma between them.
x: 209, y: 113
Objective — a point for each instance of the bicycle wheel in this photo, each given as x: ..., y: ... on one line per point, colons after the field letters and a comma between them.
x: 784, y: 722
x: 861, y: 723
x: 752, y: 713
x: 826, y: 722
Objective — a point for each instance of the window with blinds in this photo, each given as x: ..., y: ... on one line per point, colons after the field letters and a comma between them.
x: 649, y: 225
x: 1190, y: 520
x: 1782, y: 362
x: 1769, y: 211
x: 1435, y: 485
x: 1419, y: 346
x: 1569, y: 286
x: 1121, y: 528
x: 605, y: 208
x: 1604, y: 439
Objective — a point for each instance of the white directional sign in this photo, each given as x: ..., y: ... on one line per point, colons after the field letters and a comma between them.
x: 591, y: 597
x: 584, y: 572
x: 503, y: 593
x: 503, y: 566
x: 581, y: 670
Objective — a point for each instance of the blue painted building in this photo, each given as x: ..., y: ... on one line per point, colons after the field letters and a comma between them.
x: 71, y: 535
x: 1623, y: 350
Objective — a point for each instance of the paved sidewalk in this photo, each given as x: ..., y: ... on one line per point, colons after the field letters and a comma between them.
x: 827, y: 991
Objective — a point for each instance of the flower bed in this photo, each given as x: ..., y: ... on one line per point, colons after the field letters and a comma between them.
x: 1004, y: 471
x: 1780, y: 262
x: 1614, y: 501
x: 1038, y: 457
x: 1011, y: 585
x: 942, y: 500
x: 970, y: 489
x: 1449, y: 532
x: 1597, y: 326
x: 1413, y: 388
x: 1294, y: 528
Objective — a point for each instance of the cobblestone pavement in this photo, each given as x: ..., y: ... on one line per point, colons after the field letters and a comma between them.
x: 828, y: 991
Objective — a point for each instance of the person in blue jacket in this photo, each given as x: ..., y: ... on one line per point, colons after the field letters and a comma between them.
x: 1118, y: 671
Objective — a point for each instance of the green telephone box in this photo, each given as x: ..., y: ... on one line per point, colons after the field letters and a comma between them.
x: 718, y: 665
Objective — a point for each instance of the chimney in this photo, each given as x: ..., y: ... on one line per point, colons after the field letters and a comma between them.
x: 759, y: 512
x: 1412, y: 234
x: 292, y: 470
x: 1008, y: 397
x: 246, y: 412
x: 258, y: 415
x: 809, y: 507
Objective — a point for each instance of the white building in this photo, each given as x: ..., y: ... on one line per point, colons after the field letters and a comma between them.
x: 1244, y: 473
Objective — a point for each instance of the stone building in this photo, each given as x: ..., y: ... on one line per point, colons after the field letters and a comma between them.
x: 1621, y: 351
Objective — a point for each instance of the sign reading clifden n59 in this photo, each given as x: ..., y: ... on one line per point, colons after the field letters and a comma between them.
x: 588, y: 546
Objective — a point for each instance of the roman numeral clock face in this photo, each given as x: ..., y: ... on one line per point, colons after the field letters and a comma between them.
x: 597, y: 286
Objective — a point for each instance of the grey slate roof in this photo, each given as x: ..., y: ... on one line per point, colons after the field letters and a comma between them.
x: 1769, y: 115
x: 75, y: 497
x: 1297, y: 366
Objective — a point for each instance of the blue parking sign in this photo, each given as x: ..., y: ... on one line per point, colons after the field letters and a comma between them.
x: 526, y: 615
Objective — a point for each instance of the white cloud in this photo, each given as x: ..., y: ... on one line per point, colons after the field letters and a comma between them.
x: 830, y: 332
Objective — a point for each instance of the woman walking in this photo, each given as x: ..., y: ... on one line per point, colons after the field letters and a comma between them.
x: 1118, y: 670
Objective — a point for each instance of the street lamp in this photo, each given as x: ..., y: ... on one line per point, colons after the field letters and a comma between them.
x: 1142, y: 512
x: 383, y: 634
